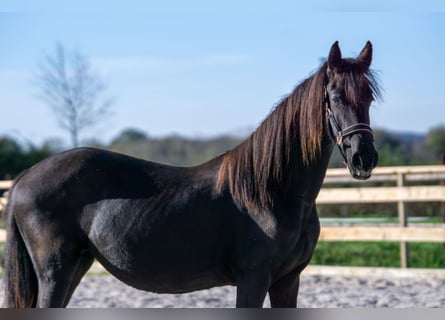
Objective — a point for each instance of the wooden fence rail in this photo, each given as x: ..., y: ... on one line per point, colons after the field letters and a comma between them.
x: 402, y: 192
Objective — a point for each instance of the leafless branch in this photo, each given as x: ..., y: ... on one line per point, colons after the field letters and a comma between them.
x: 77, y: 96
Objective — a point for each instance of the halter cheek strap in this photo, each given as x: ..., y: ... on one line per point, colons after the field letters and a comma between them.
x: 338, y: 133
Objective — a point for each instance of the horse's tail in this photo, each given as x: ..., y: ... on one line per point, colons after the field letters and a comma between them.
x: 20, y: 280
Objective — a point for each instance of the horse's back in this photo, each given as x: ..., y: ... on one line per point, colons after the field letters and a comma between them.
x: 84, y: 175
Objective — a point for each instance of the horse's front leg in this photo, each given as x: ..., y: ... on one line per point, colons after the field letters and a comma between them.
x: 283, y: 293
x: 252, y: 287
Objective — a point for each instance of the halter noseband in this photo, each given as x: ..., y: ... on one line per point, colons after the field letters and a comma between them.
x: 338, y: 133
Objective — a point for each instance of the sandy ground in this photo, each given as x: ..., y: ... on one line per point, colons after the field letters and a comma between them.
x: 315, y: 292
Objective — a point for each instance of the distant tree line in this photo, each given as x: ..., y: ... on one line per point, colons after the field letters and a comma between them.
x: 174, y: 149
x: 14, y: 157
x: 394, y: 149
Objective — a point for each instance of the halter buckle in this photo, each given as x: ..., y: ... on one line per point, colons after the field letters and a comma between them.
x: 339, y: 138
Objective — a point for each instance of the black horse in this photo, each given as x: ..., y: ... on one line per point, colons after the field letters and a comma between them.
x: 245, y: 218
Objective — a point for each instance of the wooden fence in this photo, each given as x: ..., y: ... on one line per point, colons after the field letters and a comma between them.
x: 405, y: 189
x: 409, y: 184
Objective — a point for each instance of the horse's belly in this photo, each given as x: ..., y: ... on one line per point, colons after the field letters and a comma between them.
x: 178, y: 282
x: 162, y: 251
x: 166, y: 268
x: 170, y: 277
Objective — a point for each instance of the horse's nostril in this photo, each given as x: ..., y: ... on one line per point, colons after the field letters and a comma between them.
x: 364, y: 162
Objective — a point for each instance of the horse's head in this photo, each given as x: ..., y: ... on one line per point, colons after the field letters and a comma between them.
x: 349, y: 93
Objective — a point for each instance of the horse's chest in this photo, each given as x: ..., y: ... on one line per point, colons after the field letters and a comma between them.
x: 299, y: 252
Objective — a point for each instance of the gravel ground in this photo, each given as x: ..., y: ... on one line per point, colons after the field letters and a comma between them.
x: 315, y: 292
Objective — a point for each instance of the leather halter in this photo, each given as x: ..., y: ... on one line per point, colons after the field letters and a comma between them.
x: 339, y: 133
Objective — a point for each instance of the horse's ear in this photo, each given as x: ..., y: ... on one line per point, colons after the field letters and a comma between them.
x: 365, y: 55
x: 334, y: 59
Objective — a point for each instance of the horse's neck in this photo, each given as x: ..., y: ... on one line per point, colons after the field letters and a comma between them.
x: 310, y: 177
x: 293, y: 208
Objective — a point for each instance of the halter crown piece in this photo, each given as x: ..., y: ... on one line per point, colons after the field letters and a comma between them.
x: 338, y: 133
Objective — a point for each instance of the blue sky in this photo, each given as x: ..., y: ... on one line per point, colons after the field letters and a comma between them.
x: 203, y: 69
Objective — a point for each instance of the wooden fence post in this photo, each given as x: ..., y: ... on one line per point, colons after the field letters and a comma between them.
x: 402, y: 210
x: 442, y: 204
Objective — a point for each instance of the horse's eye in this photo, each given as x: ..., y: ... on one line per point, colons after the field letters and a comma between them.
x: 336, y: 100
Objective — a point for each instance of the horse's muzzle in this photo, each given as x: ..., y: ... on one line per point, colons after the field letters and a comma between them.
x: 362, y: 160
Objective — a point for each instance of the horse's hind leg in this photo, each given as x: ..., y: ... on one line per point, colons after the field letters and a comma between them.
x: 60, y: 264
x: 83, y: 265
x: 58, y: 276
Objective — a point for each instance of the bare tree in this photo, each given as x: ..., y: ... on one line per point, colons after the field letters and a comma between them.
x: 75, y: 93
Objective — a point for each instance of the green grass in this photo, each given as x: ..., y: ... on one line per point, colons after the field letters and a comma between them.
x: 378, y: 254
